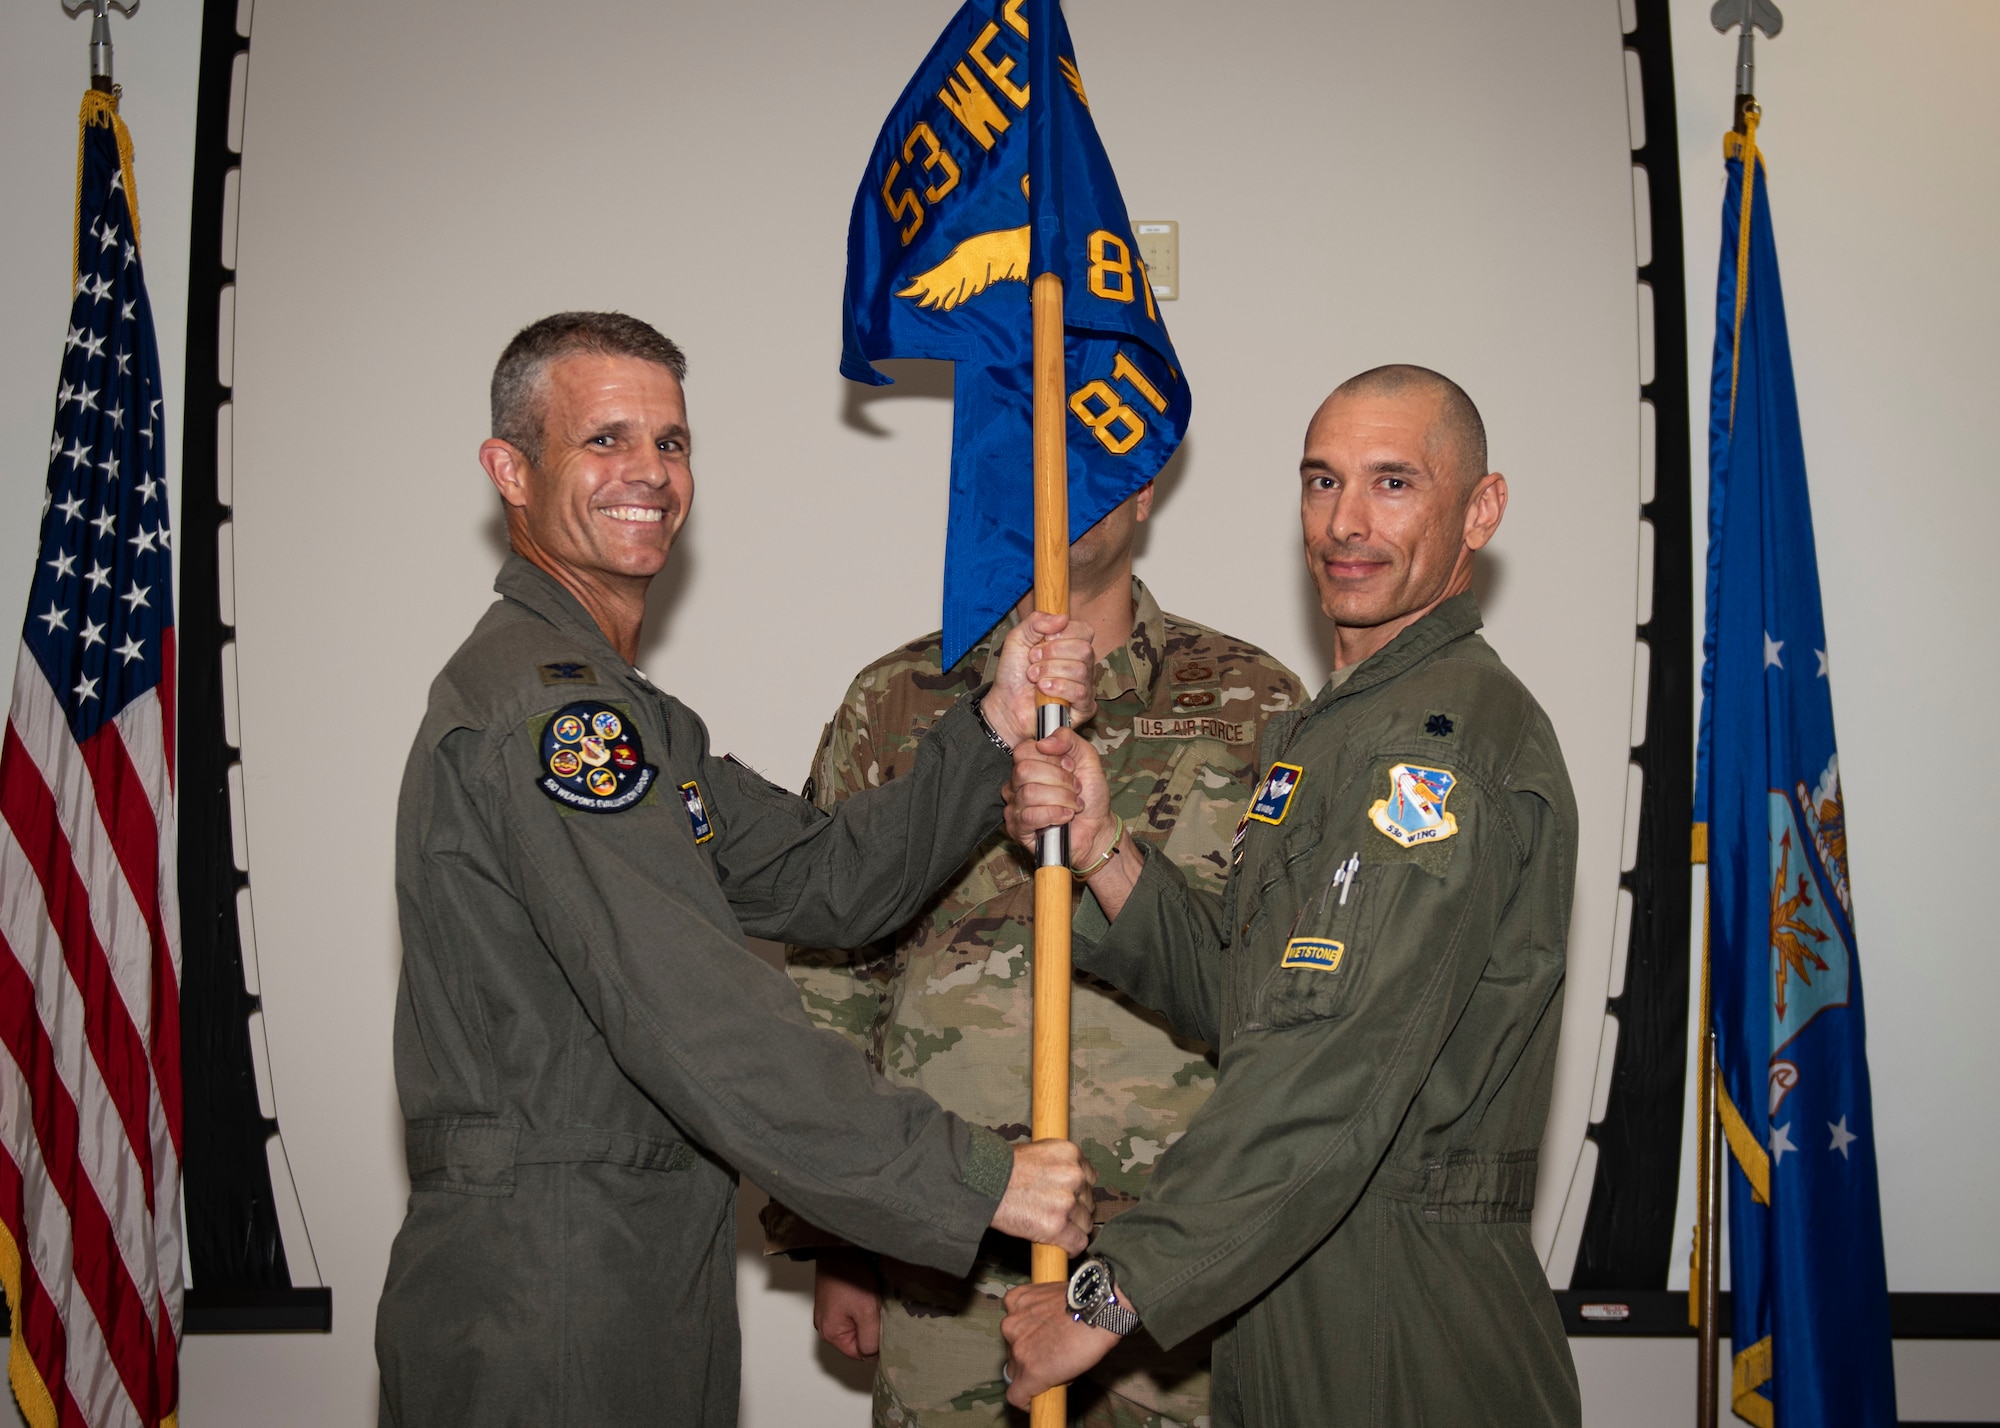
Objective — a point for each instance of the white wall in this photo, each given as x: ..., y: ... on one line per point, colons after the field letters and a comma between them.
x: 1439, y: 182
x: 402, y: 216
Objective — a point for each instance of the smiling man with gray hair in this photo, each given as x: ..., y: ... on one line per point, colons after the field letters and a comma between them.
x: 586, y: 1053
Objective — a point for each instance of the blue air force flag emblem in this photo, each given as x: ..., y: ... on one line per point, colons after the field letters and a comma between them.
x: 1274, y: 794
x: 1413, y: 813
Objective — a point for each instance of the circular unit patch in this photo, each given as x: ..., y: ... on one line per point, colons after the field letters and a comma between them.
x: 592, y: 760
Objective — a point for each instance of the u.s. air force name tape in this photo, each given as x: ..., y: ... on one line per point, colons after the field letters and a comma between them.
x: 1229, y: 731
x: 592, y: 760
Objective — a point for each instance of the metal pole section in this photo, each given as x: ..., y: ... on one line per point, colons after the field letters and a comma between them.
x: 1708, y: 1263
x: 1053, y: 885
x: 100, y: 35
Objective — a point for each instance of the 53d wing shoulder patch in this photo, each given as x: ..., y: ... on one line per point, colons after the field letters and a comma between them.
x: 592, y: 760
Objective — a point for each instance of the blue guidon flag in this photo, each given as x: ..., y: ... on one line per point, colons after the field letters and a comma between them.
x: 1811, y: 1302
x: 988, y: 173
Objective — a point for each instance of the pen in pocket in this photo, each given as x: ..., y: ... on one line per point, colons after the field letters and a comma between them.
x: 1343, y: 878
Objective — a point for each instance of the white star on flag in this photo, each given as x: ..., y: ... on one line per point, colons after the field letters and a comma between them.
x: 93, y: 347
x: 99, y: 575
x: 136, y: 597
x: 104, y: 523
x: 1822, y: 662
x: 144, y: 540
x: 1771, y: 648
x: 64, y: 565
x: 86, y: 688
x: 92, y: 633
x: 72, y: 509
x: 131, y: 650
x: 1781, y: 1141
x: 1842, y: 1136
x: 56, y: 619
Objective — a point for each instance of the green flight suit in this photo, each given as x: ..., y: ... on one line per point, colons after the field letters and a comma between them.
x: 1383, y: 979
x: 586, y: 1053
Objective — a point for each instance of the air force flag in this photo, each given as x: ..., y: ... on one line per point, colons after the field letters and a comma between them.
x: 989, y: 172
x: 1811, y: 1324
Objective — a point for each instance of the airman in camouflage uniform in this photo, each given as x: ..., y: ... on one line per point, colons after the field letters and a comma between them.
x: 945, y: 1004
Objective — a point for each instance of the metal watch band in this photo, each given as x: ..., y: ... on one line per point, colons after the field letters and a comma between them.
x: 1113, y: 1316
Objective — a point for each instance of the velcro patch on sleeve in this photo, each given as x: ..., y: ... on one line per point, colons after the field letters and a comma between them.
x: 592, y: 760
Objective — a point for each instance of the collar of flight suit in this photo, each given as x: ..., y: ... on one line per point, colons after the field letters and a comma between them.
x: 1131, y: 671
x: 1453, y: 620
x: 526, y: 583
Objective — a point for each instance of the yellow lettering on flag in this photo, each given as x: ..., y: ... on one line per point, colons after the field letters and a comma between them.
x: 997, y: 72
x: 973, y: 107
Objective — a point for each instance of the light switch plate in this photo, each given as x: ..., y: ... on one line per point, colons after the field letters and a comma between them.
x: 1160, y: 247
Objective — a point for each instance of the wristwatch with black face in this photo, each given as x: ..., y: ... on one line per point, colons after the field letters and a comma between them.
x: 1093, y: 1300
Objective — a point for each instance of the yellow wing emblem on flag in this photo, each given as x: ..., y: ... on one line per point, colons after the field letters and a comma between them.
x: 971, y: 268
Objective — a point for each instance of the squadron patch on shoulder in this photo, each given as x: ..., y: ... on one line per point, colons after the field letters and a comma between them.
x: 1414, y: 814
x: 592, y: 759
x: 1274, y: 794
x: 1322, y: 954
x: 567, y: 671
x: 697, y: 812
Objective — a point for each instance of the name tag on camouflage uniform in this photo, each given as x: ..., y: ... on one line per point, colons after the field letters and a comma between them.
x: 1414, y: 811
x: 592, y: 761
x: 1229, y: 731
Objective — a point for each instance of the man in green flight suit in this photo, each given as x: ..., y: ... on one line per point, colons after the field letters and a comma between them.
x: 944, y: 1003
x: 582, y: 1040
x: 1382, y: 975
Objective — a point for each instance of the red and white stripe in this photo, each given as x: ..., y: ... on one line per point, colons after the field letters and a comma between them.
x: 90, y: 1080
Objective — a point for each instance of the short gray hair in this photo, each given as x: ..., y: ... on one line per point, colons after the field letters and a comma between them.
x: 520, y: 379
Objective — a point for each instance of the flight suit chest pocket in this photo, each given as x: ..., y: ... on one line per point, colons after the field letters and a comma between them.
x: 1326, y: 953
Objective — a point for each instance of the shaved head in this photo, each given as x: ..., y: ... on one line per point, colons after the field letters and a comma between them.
x: 1457, y: 438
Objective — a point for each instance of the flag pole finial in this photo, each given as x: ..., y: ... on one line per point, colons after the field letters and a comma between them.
x: 1750, y: 16
x: 100, y: 34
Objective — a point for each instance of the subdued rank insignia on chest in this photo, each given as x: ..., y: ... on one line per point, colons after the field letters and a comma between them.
x: 568, y: 671
x: 1414, y: 814
x: 1274, y: 794
x: 592, y: 760
x: 1321, y: 954
x: 697, y: 812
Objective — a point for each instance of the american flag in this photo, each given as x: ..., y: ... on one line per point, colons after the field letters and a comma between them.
x: 90, y: 1085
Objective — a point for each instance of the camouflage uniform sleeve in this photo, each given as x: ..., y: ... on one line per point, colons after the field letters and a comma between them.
x: 842, y: 990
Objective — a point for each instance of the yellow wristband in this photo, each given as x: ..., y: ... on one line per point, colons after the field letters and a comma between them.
x: 1083, y: 875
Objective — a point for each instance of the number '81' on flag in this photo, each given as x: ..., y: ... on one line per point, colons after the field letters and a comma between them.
x: 988, y: 173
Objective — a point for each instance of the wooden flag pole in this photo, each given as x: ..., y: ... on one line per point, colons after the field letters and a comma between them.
x: 1053, y: 887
